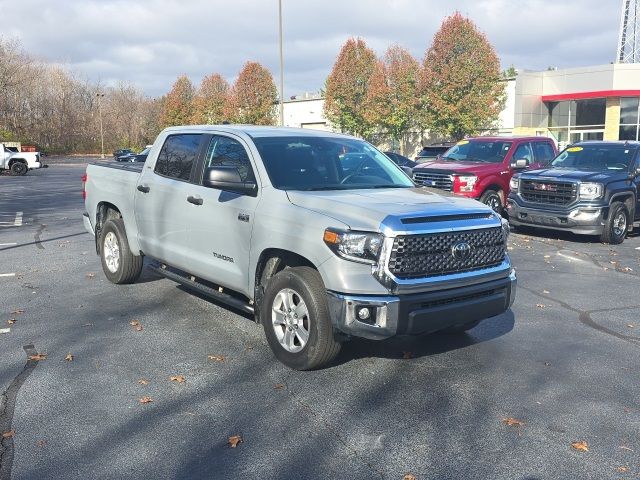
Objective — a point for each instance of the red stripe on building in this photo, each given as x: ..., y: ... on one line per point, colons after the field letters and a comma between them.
x: 585, y: 95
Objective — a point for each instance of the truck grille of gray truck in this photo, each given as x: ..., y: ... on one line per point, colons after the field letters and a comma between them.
x: 548, y: 192
x: 436, y: 180
x: 428, y: 255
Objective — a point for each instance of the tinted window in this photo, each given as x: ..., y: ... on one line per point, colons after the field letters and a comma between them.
x: 544, y: 152
x: 523, y: 151
x: 478, y: 151
x: 178, y: 156
x: 227, y: 152
x: 628, y: 111
x: 596, y: 157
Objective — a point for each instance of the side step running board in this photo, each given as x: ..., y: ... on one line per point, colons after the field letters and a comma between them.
x: 210, y: 292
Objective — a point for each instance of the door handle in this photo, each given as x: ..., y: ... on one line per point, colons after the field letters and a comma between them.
x: 194, y: 200
x: 143, y: 188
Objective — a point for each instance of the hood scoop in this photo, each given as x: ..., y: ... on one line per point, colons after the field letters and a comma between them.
x: 447, y: 218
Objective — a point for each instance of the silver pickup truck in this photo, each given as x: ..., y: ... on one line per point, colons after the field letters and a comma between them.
x: 319, y: 235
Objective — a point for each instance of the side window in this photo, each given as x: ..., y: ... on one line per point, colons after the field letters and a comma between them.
x: 523, y: 151
x: 543, y: 151
x: 227, y: 152
x: 178, y: 156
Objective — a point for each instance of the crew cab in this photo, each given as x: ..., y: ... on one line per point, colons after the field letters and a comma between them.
x: 319, y: 235
x: 17, y: 162
x: 591, y: 188
x: 482, y: 167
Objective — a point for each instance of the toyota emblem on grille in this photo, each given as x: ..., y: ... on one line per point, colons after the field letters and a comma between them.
x: 461, y: 251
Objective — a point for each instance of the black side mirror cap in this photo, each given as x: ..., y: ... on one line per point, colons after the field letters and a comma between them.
x: 228, y: 178
x: 408, y: 171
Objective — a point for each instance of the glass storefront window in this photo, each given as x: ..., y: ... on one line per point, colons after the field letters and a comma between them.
x: 629, y: 118
x: 578, y: 113
x: 628, y: 132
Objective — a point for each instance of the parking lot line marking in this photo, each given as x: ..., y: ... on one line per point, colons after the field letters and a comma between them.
x: 7, y: 274
x: 18, y: 221
x: 7, y: 244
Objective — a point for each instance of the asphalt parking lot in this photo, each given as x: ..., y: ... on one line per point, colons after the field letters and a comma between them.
x: 505, y: 401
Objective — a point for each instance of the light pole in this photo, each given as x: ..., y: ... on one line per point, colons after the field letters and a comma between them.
x: 99, y: 96
x: 281, y: 65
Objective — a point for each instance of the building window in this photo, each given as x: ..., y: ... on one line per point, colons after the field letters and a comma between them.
x: 629, y: 118
x: 578, y: 113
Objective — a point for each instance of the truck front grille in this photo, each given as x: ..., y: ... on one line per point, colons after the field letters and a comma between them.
x: 443, y: 181
x: 548, y: 192
x: 428, y: 255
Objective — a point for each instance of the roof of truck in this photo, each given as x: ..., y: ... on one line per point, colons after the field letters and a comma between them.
x: 260, y: 131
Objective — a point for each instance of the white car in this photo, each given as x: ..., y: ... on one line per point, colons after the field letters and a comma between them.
x: 19, y: 163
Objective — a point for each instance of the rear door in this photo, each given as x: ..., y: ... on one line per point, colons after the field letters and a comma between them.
x: 161, y: 199
x: 220, y: 227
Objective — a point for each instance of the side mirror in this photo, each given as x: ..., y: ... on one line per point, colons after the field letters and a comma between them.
x: 519, y: 164
x: 228, y: 178
x: 408, y: 171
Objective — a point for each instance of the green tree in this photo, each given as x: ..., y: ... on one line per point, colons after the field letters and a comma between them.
x: 461, y: 91
x: 177, y: 108
x: 252, y: 98
x: 210, y: 100
x: 391, y: 102
x: 347, y: 85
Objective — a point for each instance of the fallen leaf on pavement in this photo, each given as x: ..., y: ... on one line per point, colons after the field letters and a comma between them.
x: 90, y: 275
x: 9, y: 434
x: 512, y: 422
x: 547, y: 256
x: 217, y: 358
x: 627, y: 269
x: 626, y: 410
x: 279, y: 386
x: 540, y: 305
x: 622, y: 447
x: 11, y: 321
x: 631, y: 325
x: 136, y: 325
x: 38, y: 356
x: 18, y: 311
x: 409, y: 476
x: 407, y: 355
x: 546, y: 291
x: 41, y: 443
x: 142, y: 381
x: 622, y: 469
x: 145, y: 399
x: 547, y: 364
x: 69, y: 357
x: 234, y: 441
x: 580, y: 446
x: 177, y: 378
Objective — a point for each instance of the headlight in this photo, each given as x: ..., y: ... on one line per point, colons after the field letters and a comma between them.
x: 464, y: 183
x: 363, y: 247
x: 514, y: 184
x: 506, y: 229
x: 590, y: 191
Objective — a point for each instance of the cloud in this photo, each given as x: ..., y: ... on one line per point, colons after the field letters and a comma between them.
x: 151, y: 42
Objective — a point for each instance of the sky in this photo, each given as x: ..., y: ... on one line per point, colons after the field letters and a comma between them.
x: 149, y: 43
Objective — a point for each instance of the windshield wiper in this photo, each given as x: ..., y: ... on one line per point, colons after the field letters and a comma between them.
x: 387, y: 186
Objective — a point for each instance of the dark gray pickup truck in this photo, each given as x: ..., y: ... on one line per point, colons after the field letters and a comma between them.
x: 319, y: 235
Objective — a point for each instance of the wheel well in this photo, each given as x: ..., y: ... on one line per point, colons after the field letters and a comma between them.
x: 14, y: 160
x: 496, y: 188
x: 272, y: 261
x: 106, y: 211
x: 629, y: 202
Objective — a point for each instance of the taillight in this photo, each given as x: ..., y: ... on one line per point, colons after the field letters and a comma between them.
x: 84, y: 182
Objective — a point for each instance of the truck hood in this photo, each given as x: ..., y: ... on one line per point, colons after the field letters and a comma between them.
x: 459, y: 167
x: 366, y: 209
x: 568, y: 174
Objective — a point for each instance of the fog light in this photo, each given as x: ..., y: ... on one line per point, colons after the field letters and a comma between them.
x: 363, y: 313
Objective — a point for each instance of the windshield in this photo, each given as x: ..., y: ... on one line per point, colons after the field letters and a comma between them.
x: 327, y: 163
x: 596, y: 158
x: 478, y: 151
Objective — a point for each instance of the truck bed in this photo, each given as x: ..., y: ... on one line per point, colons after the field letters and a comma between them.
x: 130, y: 166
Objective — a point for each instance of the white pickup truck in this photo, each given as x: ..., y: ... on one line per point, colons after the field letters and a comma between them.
x: 18, y: 163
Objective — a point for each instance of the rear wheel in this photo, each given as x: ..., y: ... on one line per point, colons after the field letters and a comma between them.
x: 617, y: 224
x: 492, y: 199
x: 119, y: 264
x: 18, y: 169
x: 296, y: 320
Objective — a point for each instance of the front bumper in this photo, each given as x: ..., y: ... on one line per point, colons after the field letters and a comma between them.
x: 420, y: 313
x: 580, y: 219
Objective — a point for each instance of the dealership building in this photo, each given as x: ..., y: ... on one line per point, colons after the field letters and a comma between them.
x: 569, y: 105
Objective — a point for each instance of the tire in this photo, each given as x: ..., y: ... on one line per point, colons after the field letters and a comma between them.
x: 617, y: 224
x: 118, y: 263
x: 304, y: 339
x: 19, y: 169
x: 461, y: 328
x: 492, y: 199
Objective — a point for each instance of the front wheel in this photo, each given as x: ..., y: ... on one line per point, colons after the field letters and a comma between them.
x: 615, y: 228
x: 119, y: 264
x: 296, y: 320
x: 492, y: 199
x: 18, y: 169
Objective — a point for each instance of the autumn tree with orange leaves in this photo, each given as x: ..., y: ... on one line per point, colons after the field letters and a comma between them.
x: 177, y: 108
x: 461, y: 92
x: 209, y: 102
x: 252, y: 98
x: 392, y: 100
x: 346, y: 88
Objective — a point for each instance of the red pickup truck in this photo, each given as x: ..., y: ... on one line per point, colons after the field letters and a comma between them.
x: 481, y: 167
